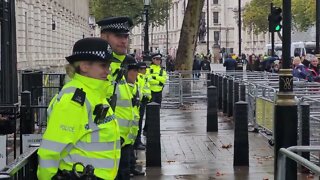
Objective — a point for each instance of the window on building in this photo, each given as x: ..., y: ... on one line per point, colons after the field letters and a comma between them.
x: 215, y: 1
x: 215, y: 17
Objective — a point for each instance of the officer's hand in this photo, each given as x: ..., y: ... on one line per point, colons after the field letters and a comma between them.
x: 160, y: 83
x: 153, y: 77
x: 121, y: 140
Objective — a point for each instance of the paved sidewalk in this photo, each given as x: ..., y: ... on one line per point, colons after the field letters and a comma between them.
x: 189, y: 152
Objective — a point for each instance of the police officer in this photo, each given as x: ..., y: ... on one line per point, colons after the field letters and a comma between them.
x: 116, y: 31
x: 157, y: 78
x: 144, y: 85
x: 82, y: 128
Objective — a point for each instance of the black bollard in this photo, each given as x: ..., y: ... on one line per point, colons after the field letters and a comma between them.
x: 27, y: 123
x: 153, y: 149
x: 212, y: 110
x: 225, y: 95
x: 241, y: 144
x: 236, y: 86
x: 209, y: 83
x: 305, y: 127
x: 230, y: 98
x: 212, y: 78
x: 220, y: 79
x: 242, y: 92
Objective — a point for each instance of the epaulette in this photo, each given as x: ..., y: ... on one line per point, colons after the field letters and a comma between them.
x: 79, y: 96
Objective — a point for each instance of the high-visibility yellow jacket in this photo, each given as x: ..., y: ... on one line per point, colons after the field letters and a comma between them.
x: 135, y: 124
x: 157, y: 77
x: 144, y: 85
x: 124, y: 110
x: 74, y: 134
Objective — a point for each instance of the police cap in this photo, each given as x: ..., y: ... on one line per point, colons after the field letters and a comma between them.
x: 131, y: 62
x: 156, y: 56
x: 142, y: 65
x: 91, y: 49
x: 119, y: 25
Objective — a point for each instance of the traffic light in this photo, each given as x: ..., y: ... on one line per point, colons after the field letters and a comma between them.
x: 275, y: 19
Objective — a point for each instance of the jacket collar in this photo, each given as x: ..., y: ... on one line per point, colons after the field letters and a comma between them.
x: 91, y: 83
x: 119, y: 57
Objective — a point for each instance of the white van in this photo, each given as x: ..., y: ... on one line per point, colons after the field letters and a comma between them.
x: 306, y: 49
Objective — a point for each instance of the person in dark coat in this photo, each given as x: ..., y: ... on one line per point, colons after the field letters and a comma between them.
x: 196, y: 67
x: 230, y: 63
x: 205, y: 64
x: 314, y: 70
x: 299, y: 70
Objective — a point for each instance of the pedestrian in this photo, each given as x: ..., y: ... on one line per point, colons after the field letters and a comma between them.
x: 314, y: 69
x: 116, y: 31
x: 230, y: 63
x: 81, y: 126
x: 157, y: 78
x: 299, y: 70
x: 205, y: 64
x: 196, y: 67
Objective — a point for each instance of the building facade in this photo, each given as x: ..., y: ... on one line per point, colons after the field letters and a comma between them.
x: 46, y: 31
x: 223, y: 30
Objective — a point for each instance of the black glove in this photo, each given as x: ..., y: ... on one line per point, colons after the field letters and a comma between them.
x: 144, y: 99
x: 153, y: 77
x: 121, y: 140
x: 160, y: 83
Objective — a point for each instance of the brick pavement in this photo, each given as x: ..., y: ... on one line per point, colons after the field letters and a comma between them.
x: 189, y: 152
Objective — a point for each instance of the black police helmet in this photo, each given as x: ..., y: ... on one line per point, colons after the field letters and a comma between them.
x: 131, y: 62
x: 91, y: 49
x: 142, y: 65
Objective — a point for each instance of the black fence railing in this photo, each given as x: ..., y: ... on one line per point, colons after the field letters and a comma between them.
x: 30, y: 115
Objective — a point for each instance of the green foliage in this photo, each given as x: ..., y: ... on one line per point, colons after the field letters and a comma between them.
x: 256, y: 14
x: 132, y: 8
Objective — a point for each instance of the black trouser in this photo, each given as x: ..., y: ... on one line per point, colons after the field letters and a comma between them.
x: 125, y: 161
x: 141, y: 113
x: 156, y: 97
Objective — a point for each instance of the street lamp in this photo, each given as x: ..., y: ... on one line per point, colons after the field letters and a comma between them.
x: 146, y: 29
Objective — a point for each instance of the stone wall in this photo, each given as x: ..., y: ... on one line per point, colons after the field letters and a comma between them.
x: 41, y: 47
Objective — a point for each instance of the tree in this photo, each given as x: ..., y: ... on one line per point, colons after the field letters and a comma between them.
x: 189, y: 35
x: 132, y: 8
x: 256, y: 13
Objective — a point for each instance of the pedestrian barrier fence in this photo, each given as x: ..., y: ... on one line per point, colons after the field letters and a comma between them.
x: 290, y: 153
x: 24, y: 167
x: 261, y: 92
x: 184, y: 87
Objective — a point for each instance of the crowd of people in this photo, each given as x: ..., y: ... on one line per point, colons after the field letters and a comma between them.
x: 302, y: 67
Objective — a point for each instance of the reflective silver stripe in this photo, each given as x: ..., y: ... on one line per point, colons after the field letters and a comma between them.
x: 48, y: 163
x: 96, y: 146
x: 95, y: 162
x: 123, y: 122
x: 52, y: 145
x: 66, y: 91
x: 131, y: 136
x: 92, y: 125
x: 118, y: 144
x: 124, y: 103
x: 135, y: 123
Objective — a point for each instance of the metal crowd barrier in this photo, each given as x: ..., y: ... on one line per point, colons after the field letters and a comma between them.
x: 24, y: 167
x: 261, y: 89
x: 291, y: 153
x: 184, y: 87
